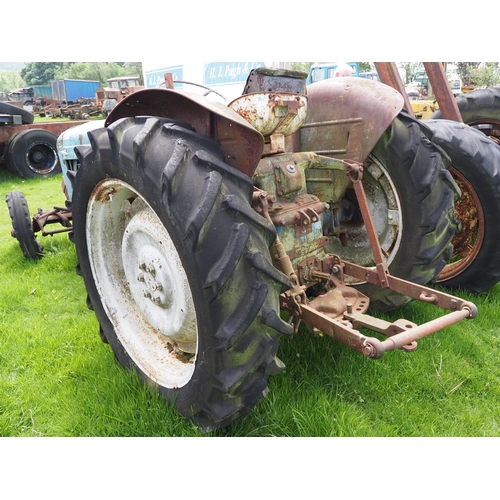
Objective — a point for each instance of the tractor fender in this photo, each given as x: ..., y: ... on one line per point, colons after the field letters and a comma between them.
x: 347, y: 116
x: 242, y: 143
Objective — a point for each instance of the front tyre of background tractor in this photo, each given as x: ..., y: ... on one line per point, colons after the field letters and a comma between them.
x: 22, y: 225
x: 177, y: 266
x: 475, y: 165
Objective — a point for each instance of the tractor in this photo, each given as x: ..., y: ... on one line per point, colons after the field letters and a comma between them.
x: 205, y: 232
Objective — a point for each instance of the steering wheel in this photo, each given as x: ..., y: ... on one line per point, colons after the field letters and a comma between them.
x: 208, y: 89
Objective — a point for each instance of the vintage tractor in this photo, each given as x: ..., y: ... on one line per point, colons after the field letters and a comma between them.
x: 196, y: 223
x: 467, y: 128
x: 205, y: 232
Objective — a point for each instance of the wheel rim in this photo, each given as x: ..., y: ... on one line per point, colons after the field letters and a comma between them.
x: 41, y: 158
x: 490, y: 128
x: 385, y: 208
x: 467, y: 243
x: 142, y: 283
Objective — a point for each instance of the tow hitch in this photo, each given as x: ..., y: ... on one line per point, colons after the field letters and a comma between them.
x: 340, y: 313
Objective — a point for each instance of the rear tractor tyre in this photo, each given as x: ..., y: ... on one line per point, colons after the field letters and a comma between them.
x: 32, y: 153
x: 480, y: 109
x: 475, y: 165
x: 22, y: 226
x: 177, y: 267
x: 411, y: 196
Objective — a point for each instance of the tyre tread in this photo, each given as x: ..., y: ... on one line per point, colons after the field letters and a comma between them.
x: 199, y: 194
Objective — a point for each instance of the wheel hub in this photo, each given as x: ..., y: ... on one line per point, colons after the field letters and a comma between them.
x: 156, y: 289
x: 154, y: 279
x: 41, y: 158
x: 385, y: 208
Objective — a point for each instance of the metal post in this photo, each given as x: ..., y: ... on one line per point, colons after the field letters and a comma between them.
x: 389, y: 74
x: 442, y: 91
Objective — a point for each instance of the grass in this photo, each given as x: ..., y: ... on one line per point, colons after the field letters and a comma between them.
x: 45, y: 119
x: 58, y: 379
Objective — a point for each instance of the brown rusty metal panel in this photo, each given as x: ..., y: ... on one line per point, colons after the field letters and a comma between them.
x: 442, y: 90
x: 242, y: 143
x: 347, y: 116
x: 57, y: 128
x: 389, y: 74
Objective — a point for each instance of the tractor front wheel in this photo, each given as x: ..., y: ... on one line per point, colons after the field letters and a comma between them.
x: 22, y: 225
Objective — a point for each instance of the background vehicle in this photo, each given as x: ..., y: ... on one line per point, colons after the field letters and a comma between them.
x: 25, y: 227
x: 370, y: 75
x: 475, y: 164
x: 117, y: 89
x: 28, y: 149
x: 324, y: 70
x: 28, y: 95
x: 72, y: 90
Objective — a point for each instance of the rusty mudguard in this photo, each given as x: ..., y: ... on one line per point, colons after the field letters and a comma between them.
x: 241, y: 142
x: 347, y: 116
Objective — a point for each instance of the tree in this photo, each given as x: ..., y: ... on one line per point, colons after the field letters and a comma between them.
x: 36, y: 73
x: 479, y: 74
x: 95, y: 71
x: 487, y: 74
x: 39, y: 73
x: 410, y: 69
x: 365, y: 67
x: 301, y: 66
x: 465, y: 69
x: 133, y: 68
x: 10, y: 80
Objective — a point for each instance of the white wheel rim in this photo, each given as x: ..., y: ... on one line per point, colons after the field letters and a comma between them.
x: 142, y: 283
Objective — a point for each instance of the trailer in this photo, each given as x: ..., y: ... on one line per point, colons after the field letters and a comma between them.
x: 27, y: 95
x: 71, y: 90
x: 28, y: 149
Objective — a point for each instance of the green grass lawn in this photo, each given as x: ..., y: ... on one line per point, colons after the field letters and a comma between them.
x: 58, y: 379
